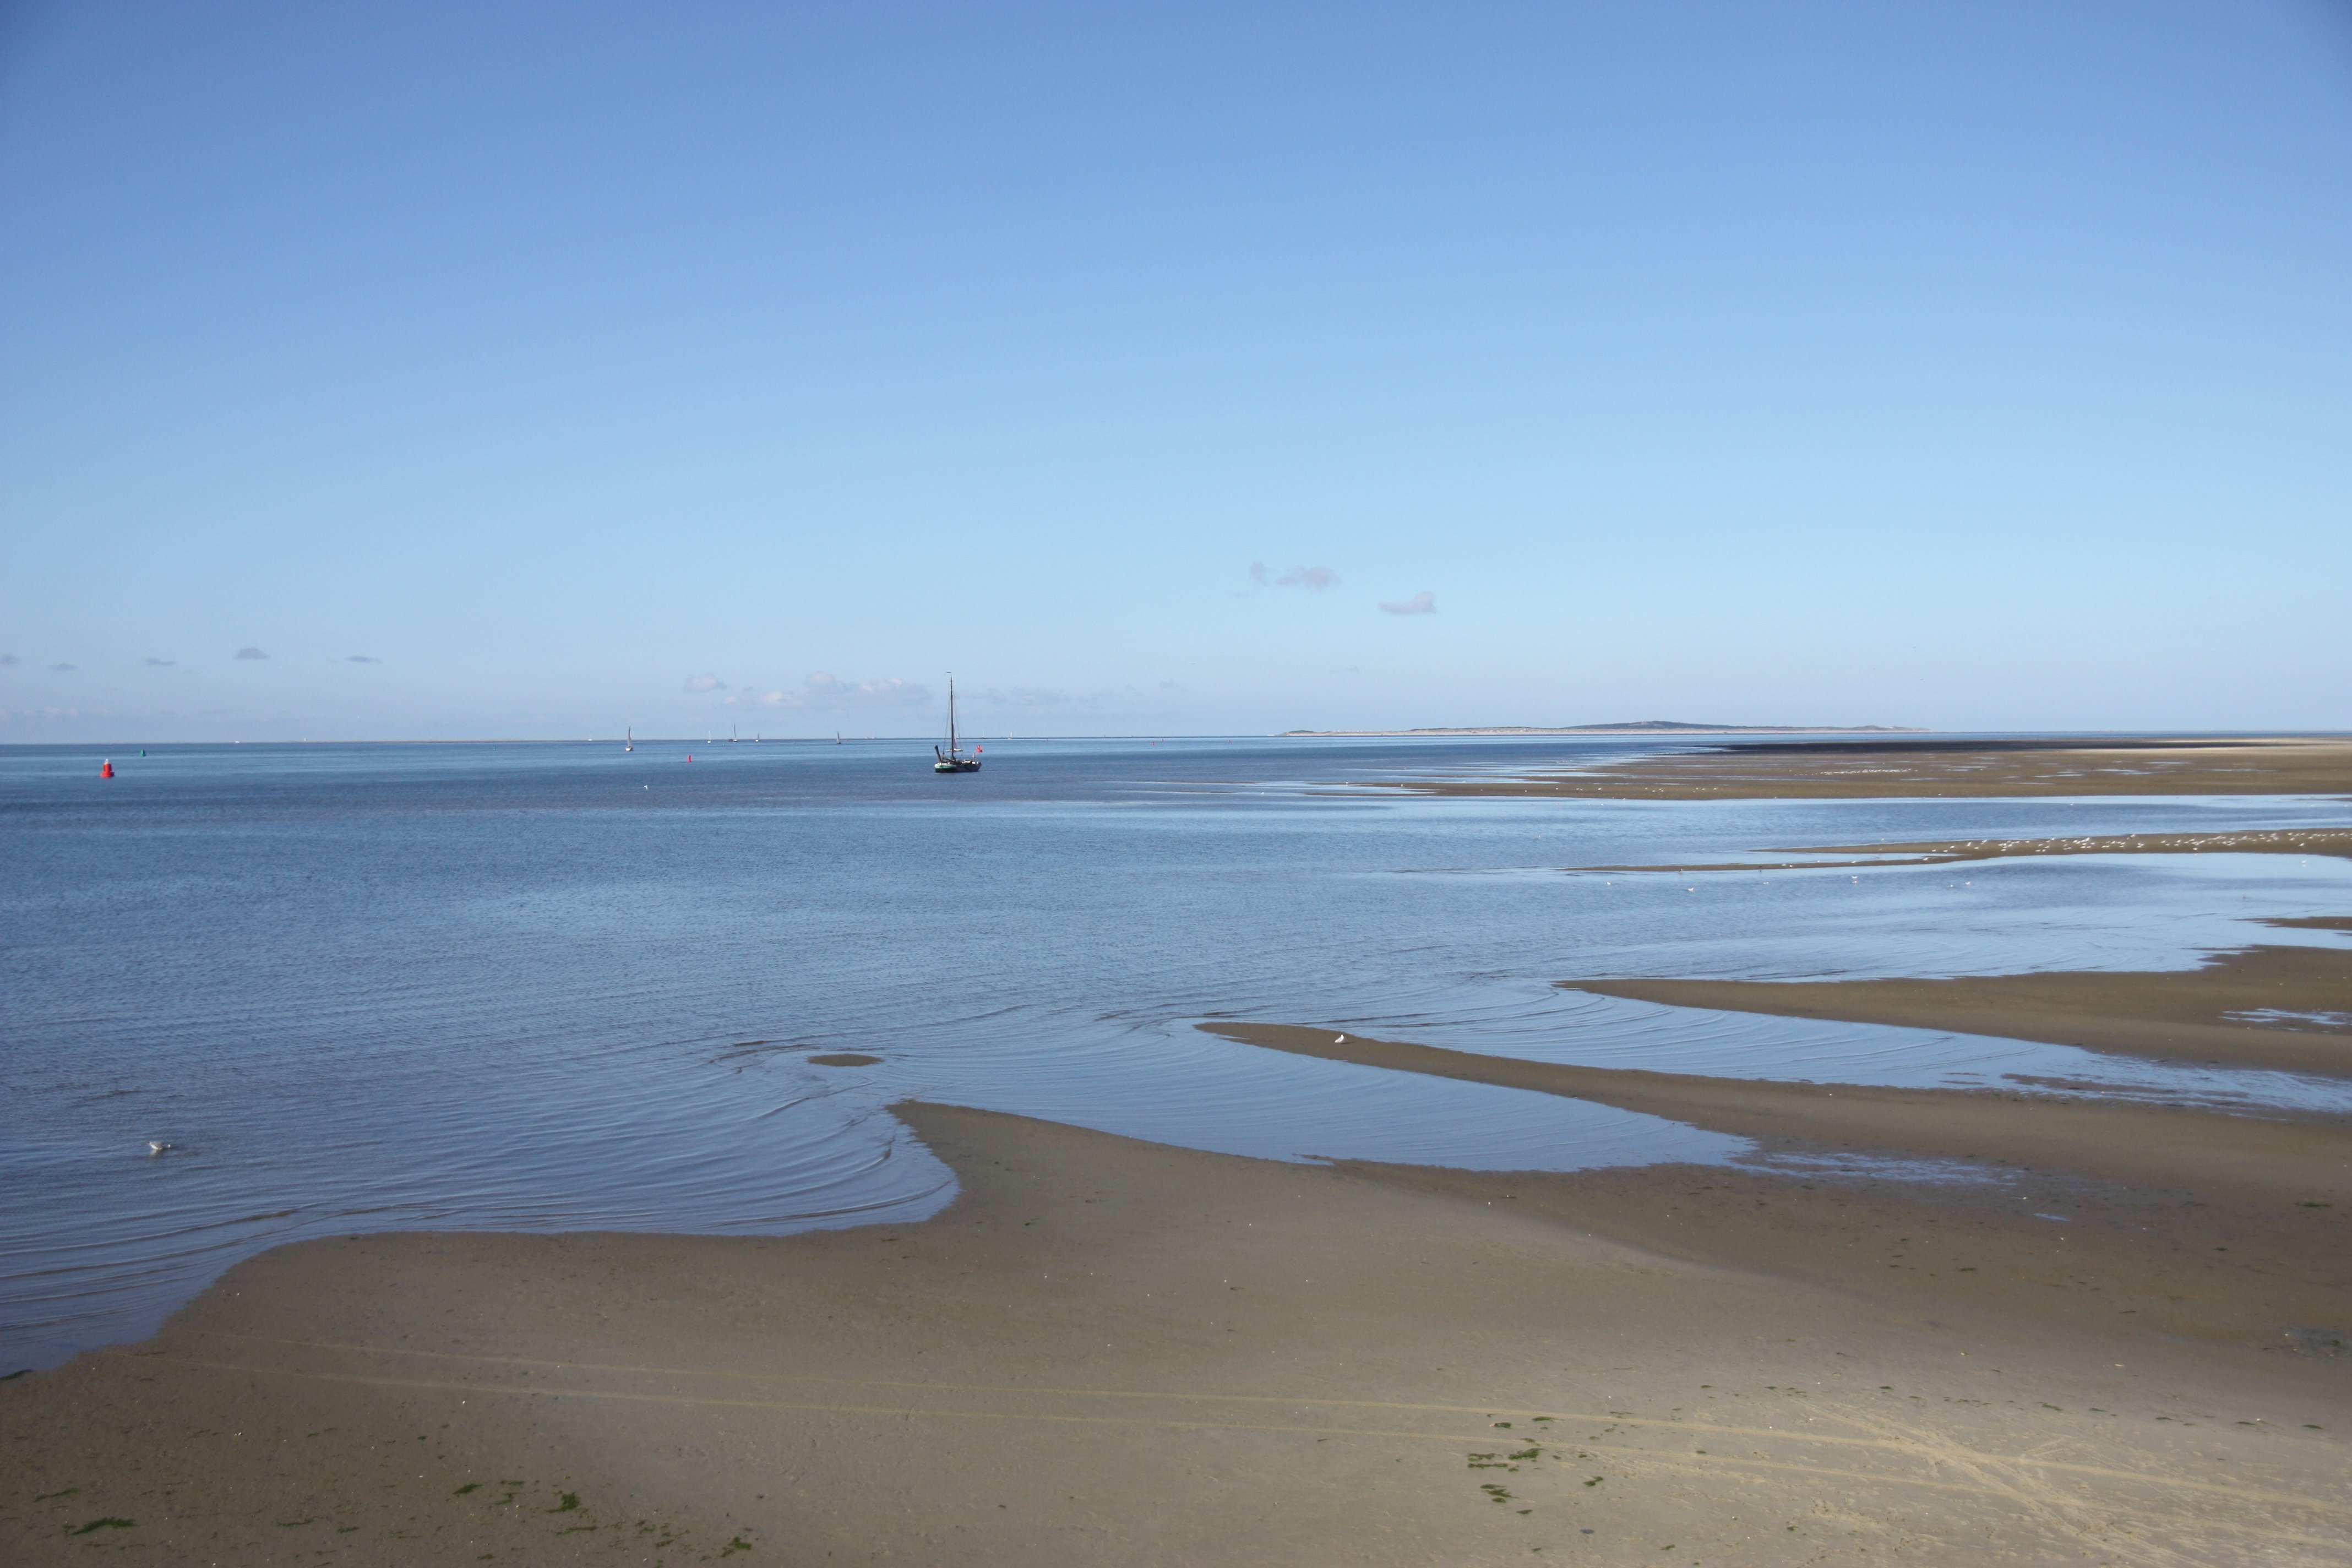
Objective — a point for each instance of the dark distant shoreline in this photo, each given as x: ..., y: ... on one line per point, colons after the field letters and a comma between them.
x: 1640, y: 727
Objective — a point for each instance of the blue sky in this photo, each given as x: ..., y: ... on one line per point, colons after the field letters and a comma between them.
x: 536, y: 370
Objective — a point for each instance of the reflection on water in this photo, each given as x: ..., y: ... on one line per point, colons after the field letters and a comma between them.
x: 541, y: 987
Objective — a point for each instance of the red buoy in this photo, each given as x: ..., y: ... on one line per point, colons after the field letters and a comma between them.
x: 106, y: 769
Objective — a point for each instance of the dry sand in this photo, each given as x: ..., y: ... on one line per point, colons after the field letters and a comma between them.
x: 1944, y: 767
x: 2186, y: 1016
x: 1108, y: 1352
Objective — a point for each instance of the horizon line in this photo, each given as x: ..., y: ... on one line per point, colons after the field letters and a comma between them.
x: 1496, y: 732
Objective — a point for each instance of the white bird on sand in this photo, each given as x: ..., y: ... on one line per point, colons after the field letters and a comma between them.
x: 1341, y: 1041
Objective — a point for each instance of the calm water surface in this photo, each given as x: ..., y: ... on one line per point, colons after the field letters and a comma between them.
x: 560, y: 987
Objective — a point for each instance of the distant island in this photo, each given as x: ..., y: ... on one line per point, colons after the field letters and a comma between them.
x: 1639, y: 727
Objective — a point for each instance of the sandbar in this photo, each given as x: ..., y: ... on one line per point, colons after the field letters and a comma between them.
x: 1943, y: 767
x: 2306, y: 841
x: 1108, y: 1351
x: 2270, y: 1005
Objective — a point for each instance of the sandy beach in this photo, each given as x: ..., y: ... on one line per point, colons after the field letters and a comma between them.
x: 1111, y: 1352
x: 1860, y: 770
x: 1942, y: 1326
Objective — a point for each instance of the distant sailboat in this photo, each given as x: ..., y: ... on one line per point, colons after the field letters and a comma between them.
x: 952, y: 760
x: 629, y: 741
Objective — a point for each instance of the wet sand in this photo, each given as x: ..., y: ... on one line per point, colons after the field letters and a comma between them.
x: 1848, y: 770
x: 2196, y: 1015
x: 1108, y: 1351
x: 2276, y: 1194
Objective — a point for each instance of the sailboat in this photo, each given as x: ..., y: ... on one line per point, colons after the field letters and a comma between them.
x: 952, y: 760
x: 629, y: 741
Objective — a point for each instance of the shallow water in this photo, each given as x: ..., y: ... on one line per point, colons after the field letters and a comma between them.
x: 542, y: 987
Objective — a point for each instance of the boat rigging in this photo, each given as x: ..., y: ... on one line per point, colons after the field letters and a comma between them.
x: 952, y: 760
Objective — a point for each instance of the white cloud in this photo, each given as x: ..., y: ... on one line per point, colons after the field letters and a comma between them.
x: 1422, y: 604
x: 832, y: 693
x: 1295, y: 577
x: 704, y: 683
x: 250, y: 653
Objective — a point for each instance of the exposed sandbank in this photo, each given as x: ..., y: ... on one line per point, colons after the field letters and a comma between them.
x: 2303, y: 995
x: 2259, y: 1164
x: 2332, y: 841
x: 1838, y: 769
x: 1108, y: 1352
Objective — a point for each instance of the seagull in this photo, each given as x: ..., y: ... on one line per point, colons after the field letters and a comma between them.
x: 157, y: 1146
x: 1341, y: 1041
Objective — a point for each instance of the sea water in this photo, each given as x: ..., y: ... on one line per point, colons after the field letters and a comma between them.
x: 566, y: 986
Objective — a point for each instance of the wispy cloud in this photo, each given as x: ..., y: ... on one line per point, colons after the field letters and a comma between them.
x: 1295, y: 577
x: 7, y: 659
x: 1037, y: 698
x: 159, y: 663
x: 704, y: 683
x: 250, y: 653
x: 831, y: 692
x: 1422, y: 604
x: 63, y: 668
x: 362, y: 659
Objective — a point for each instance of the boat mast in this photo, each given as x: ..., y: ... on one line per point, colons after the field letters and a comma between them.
x: 951, y: 732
